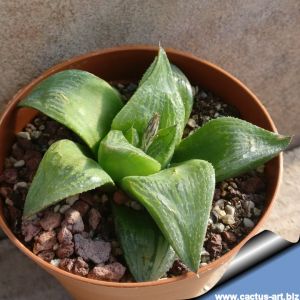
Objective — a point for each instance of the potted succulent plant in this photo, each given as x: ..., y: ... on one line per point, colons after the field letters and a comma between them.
x: 159, y: 187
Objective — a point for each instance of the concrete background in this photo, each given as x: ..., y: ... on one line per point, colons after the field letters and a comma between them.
x: 258, y: 41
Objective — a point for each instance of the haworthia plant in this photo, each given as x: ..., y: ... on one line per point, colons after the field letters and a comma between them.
x: 65, y: 170
x: 148, y: 254
x: 233, y: 146
x: 179, y: 200
x: 134, y: 146
x: 79, y: 100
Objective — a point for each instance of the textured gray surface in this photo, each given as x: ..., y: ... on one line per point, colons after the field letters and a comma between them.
x: 257, y: 41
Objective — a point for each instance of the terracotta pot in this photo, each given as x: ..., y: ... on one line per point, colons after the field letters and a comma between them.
x: 128, y: 63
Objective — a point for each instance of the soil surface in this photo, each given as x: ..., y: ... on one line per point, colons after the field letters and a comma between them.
x: 78, y: 234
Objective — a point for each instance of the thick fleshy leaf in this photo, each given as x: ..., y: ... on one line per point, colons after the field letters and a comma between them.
x: 157, y: 94
x: 231, y: 145
x: 65, y: 170
x: 185, y: 90
x: 147, y: 253
x: 132, y: 136
x: 179, y: 201
x: 120, y: 159
x: 163, y: 146
x: 79, y: 100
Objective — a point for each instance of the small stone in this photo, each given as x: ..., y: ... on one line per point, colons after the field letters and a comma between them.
x: 30, y: 229
x: 47, y: 255
x: 256, y: 212
x: 192, y: 123
x: 252, y: 185
x: 21, y: 184
x: 80, y: 267
x: 219, y: 211
x: 72, y: 199
x: 260, y: 169
x: 66, y: 264
x: 229, y: 237
x: 64, y: 208
x: 42, y: 127
x: 104, y: 198
x: 96, y: 251
x: 228, y: 219
x: 45, y: 241
x: 65, y: 250
x: 111, y: 272
x: 135, y: 205
x: 120, y: 198
x: 230, y: 210
x: 64, y: 236
x: 5, y: 191
x: 56, y: 208
x: 214, y: 245
x: 81, y: 206
x: 74, y: 221
x: 9, y: 202
x: 9, y: 176
x: 219, y: 227
x: 24, y: 135
x: 51, y: 220
x: 248, y: 223
x: 178, y: 268
x: 55, y: 262
x: 94, y: 218
x: 220, y: 203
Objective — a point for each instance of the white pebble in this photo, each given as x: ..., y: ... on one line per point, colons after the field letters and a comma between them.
x: 220, y: 203
x: 19, y: 163
x: 21, y: 184
x: 203, y: 264
x: 192, y: 123
x: 219, y: 227
x: 221, y: 213
x: 135, y: 205
x: 228, y: 219
x: 72, y: 199
x: 210, y: 221
x: 24, y: 135
x: 64, y: 208
x: 42, y: 127
x: 260, y: 169
x: 56, y: 208
x: 9, y: 202
x: 55, y: 247
x: 104, y: 198
x: 248, y: 223
x: 257, y: 212
x: 35, y: 134
x: 230, y: 210
x: 55, y: 262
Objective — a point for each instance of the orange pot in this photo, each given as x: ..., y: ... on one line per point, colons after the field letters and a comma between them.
x: 129, y: 63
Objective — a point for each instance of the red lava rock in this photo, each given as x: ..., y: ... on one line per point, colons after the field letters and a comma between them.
x: 178, y: 268
x: 30, y: 229
x: 64, y: 236
x: 9, y: 176
x: 229, y: 237
x: 5, y: 191
x: 29, y: 154
x: 33, y: 163
x: 24, y: 143
x: 73, y: 221
x: 45, y: 241
x: 111, y: 272
x: 80, y: 267
x: 51, y: 220
x: 66, y: 264
x: 87, y: 197
x: 94, y: 218
x: 214, y: 245
x: 47, y: 255
x: 120, y: 198
x: 252, y: 185
x: 96, y: 251
x: 81, y: 206
x: 65, y: 250
x: 51, y: 127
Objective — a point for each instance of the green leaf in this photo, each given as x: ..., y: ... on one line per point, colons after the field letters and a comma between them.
x: 146, y: 251
x: 231, y: 145
x: 179, y: 200
x: 120, y: 159
x: 132, y: 136
x: 163, y: 145
x: 65, y: 170
x: 185, y: 90
x: 79, y: 100
x: 157, y: 94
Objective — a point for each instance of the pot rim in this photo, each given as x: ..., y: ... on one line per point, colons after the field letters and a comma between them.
x: 220, y: 261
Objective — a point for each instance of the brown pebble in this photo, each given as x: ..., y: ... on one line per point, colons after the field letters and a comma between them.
x: 120, y: 198
x: 64, y: 236
x: 229, y: 237
x: 65, y: 250
x: 81, y: 206
x: 45, y: 241
x: 47, y: 255
x: 66, y: 264
x: 9, y: 176
x: 30, y: 229
x: 73, y: 221
x: 51, y: 220
x: 214, y: 245
x: 80, y: 267
x: 5, y: 191
x: 178, y: 268
x: 111, y: 272
x: 252, y: 185
x: 94, y: 218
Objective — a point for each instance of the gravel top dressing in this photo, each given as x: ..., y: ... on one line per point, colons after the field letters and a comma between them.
x: 78, y: 234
